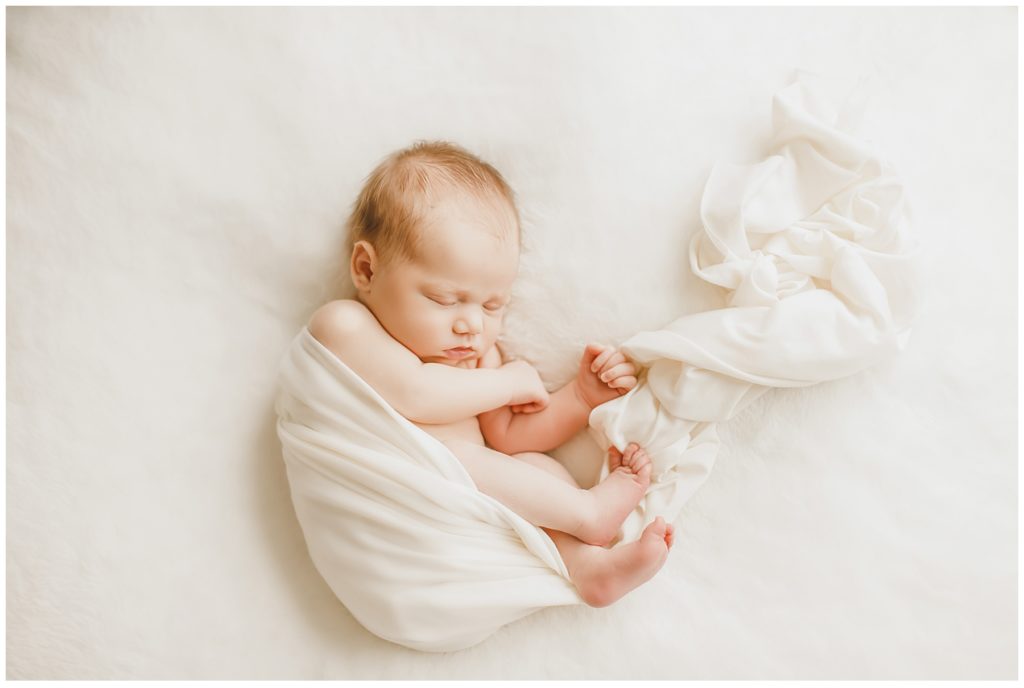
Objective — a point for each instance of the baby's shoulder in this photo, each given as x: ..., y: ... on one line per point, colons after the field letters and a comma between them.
x: 343, y: 313
x: 340, y: 321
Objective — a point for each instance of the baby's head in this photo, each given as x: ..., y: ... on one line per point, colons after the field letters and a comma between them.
x: 434, y: 239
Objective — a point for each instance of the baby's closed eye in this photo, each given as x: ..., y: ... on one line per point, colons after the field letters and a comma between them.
x: 441, y: 300
x: 448, y: 301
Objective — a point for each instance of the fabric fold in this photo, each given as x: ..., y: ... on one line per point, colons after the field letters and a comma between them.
x: 394, y: 523
x: 813, y: 245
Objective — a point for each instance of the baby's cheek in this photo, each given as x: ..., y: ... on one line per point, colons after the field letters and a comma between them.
x: 437, y: 324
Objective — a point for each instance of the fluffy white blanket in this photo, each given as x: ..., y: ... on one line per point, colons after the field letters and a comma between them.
x: 176, y: 183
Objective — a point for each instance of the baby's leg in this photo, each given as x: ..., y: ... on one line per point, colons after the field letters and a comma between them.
x: 552, y: 466
x: 602, y: 576
x: 550, y: 501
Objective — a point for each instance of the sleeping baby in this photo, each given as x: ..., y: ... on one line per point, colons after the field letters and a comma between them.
x: 434, y: 250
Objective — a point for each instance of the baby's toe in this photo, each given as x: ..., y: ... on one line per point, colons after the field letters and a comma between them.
x: 638, y: 459
x: 656, y: 529
x: 614, y: 458
x: 643, y: 473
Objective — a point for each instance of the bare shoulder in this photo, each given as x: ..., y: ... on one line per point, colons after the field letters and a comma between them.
x: 341, y: 318
x: 349, y: 330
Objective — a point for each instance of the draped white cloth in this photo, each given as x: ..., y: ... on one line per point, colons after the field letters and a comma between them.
x: 394, y: 523
x: 813, y: 245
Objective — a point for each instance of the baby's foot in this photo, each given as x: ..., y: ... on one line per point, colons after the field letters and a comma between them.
x: 617, y: 495
x: 633, y: 454
x: 609, y: 574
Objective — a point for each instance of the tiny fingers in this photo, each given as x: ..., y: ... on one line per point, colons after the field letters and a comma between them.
x: 624, y: 383
x: 618, y: 370
x: 615, y: 359
x: 601, y: 359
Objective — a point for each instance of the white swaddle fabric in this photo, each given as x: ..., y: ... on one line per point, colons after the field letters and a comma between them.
x: 814, y: 245
x: 394, y: 523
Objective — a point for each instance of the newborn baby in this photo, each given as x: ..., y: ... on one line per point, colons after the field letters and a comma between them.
x: 434, y: 249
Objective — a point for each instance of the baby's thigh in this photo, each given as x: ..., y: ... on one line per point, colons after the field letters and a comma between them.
x: 548, y: 464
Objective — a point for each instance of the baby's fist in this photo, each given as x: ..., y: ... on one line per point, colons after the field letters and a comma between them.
x: 604, y: 374
x: 528, y: 392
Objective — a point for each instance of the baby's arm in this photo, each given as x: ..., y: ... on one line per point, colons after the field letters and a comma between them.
x: 568, y: 409
x: 430, y: 393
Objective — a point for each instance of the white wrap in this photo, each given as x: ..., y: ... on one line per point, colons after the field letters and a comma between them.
x: 814, y: 245
x: 812, y: 242
x: 394, y: 523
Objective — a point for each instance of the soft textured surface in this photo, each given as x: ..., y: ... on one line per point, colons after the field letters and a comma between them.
x: 176, y: 184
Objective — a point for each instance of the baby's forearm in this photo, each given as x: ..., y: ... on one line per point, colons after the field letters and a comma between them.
x: 564, y: 416
x: 445, y: 394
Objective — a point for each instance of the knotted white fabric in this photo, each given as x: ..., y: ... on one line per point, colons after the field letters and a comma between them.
x: 815, y: 249
x: 813, y: 245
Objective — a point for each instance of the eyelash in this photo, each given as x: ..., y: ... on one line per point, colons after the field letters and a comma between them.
x: 493, y: 309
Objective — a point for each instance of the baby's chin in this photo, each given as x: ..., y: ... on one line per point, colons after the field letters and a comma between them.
x: 443, y: 360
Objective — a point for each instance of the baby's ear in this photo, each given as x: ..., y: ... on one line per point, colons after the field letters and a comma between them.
x: 363, y: 264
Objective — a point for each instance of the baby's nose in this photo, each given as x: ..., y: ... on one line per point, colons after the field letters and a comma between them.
x: 468, y: 325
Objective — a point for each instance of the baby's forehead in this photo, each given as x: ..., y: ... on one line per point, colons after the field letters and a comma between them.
x: 465, y: 258
x: 455, y: 208
x: 455, y: 222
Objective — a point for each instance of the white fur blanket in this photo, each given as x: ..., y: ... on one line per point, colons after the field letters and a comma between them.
x: 177, y: 179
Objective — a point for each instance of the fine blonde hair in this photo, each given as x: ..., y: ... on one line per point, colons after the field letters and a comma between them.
x: 396, y: 197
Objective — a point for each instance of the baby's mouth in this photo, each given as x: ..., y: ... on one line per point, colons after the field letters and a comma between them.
x: 459, y: 352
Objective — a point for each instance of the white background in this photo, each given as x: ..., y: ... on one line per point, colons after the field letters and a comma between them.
x: 177, y: 183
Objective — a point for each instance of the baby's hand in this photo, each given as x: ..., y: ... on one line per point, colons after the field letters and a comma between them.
x: 529, y: 394
x: 604, y: 374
